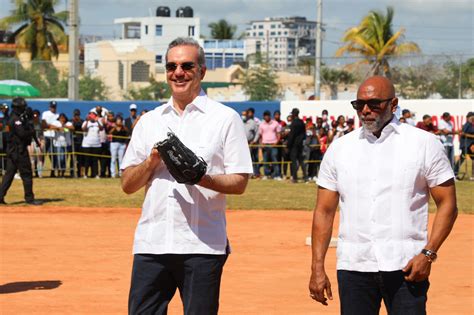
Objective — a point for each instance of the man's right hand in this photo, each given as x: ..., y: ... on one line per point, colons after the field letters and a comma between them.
x: 318, y: 284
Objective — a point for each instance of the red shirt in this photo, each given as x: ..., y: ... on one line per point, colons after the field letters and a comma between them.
x: 429, y: 128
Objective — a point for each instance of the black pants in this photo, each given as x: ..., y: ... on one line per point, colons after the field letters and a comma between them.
x: 313, y: 167
x: 49, y: 149
x: 18, y: 159
x: 297, y: 160
x: 91, y: 161
x: 78, y: 157
x: 105, y: 161
x: 361, y: 293
x: 156, y: 277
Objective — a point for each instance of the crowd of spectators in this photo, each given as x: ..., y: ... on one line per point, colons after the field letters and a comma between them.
x: 91, y: 146
x: 284, y: 149
x: 280, y: 149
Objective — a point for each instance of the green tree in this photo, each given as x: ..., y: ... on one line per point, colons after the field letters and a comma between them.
x: 154, y: 92
x: 334, y: 77
x: 260, y: 83
x: 374, y: 40
x: 92, y: 88
x: 222, y: 29
x: 41, y: 31
x: 447, y: 85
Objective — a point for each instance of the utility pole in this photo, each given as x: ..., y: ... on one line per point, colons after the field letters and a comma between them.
x: 460, y: 78
x: 73, y: 82
x: 317, y: 70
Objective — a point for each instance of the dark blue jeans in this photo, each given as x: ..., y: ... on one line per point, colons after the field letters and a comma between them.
x: 156, y: 277
x: 361, y: 293
x: 270, y: 154
x: 254, y: 156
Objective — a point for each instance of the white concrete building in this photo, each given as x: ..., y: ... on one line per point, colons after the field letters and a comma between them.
x: 156, y: 32
x: 281, y: 41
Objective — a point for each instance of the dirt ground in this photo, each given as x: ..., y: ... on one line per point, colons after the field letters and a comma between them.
x: 78, y: 261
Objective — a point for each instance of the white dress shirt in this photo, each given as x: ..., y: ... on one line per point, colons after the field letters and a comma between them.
x: 50, y: 118
x: 187, y: 219
x: 447, y: 140
x: 383, y: 186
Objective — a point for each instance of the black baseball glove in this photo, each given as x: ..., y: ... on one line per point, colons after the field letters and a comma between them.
x: 185, y: 166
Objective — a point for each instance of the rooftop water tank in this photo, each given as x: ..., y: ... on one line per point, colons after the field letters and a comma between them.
x: 188, y: 12
x: 163, y: 11
x: 180, y: 12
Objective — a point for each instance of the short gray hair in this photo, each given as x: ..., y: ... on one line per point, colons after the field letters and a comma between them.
x: 188, y: 41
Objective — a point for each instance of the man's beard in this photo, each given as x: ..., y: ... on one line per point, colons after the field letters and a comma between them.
x: 378, y: 123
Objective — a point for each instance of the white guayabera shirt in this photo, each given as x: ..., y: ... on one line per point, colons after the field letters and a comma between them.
x: 185, y: 219
x: 384, y: 191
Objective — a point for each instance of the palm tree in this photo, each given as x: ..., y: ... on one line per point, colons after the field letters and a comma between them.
x: 334, y: 77
x: 375, y: 40
x: 42, y: 30
x: 222, y: 29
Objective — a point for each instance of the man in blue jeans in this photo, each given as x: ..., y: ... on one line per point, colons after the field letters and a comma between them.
x: 382, y: 188
x: 269, y: 131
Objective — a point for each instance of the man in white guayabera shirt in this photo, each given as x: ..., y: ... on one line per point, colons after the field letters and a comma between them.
x: 180, y: 240
x: 382, y: 188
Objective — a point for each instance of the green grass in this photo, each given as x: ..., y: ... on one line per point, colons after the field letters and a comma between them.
x: 260, y: 194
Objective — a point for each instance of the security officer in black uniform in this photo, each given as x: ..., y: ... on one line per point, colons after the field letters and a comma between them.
x: 20, y: 134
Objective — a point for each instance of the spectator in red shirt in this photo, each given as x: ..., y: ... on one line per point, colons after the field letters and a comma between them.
x: 269, y: 131
x: 427, y: 125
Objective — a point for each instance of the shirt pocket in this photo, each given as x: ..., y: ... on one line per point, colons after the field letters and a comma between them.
x: 211, y: 153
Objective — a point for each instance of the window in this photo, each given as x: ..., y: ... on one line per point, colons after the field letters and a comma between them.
x: 146, y: 29
x: 159, y: 30
x: 158, y: 58
x: 272, y: 33
x: 279, y: 33
x: 140, y: 72
x: 272, y: 26
x: 260, y: 26
x: 260, y: 33
x: 254, y: 34
x: 254, y: 26
x: 190, y: 31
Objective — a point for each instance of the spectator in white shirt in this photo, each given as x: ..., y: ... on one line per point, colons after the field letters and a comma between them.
x: 181, y: 240
x: 446, y: 133
x: 91, y: 145
x: 382, y: 187
x: 406, y: 114
x: 49, y: 117
x: 61, y: 142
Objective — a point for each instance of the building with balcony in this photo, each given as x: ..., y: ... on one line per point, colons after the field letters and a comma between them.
x: 223, y: 53
x: 281, y: 41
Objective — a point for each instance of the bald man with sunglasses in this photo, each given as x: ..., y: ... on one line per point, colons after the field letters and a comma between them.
x: 382, y: 188
x: 181, y: 241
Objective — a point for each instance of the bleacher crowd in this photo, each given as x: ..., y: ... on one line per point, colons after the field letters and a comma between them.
x: 276, y: 144
x: 93, y: 146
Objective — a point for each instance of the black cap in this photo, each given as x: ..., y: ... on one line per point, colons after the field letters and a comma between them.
x: 251, y: 109
x: 267, y: 113
x: 76, y: 112
x: 53, y: 104
x: 19, y: 102
x: 295, y: 112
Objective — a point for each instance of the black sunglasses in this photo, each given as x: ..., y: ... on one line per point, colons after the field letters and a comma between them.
x: 186, y: 66
x: 373, y: 104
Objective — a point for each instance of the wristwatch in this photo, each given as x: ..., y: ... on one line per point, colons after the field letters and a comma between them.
x: 431, y: 255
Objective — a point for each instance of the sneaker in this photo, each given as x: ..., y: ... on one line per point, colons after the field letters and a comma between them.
x: 278, y: 178
x: 2, y: 202
x: 84, y: 176
x: 97, y: 177
x: 17, y: 176
x: 264, y: 177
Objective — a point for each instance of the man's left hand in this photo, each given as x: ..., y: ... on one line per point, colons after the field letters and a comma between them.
x: 417, y: 269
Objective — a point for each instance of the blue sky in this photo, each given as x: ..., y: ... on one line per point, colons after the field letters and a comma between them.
x: 438, y: 26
